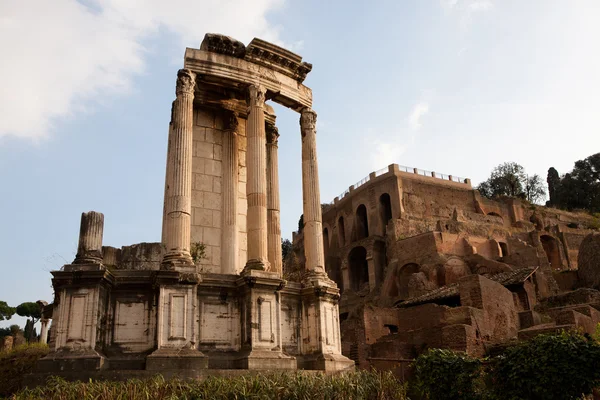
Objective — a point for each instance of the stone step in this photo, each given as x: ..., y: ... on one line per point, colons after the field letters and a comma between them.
x: 529, y: 333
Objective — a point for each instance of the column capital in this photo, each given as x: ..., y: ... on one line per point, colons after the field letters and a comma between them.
x: 272, y: 134
x: 231, y: 121
x: 186, y: 82
x: 256, y: 96
x: 308, y: 119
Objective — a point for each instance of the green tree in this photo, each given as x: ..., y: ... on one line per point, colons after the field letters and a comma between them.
x: 6, y: 311
x: 580, y: 189
x: 30, y: 310
x: 286, y: 248
x: 509, y: 179
x: 534, y: 189
x: 553, y: 181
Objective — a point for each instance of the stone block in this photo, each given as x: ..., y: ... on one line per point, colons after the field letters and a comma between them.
x: 205, y: 118
x: 212, y: 167
x: 242, y: 144
x: 6, y: 343
x: 197, y: 198
x: 214, y: 136
x: 216, y: 255
x: 176, y: 359
x: 203, y: 217
x: 197, y: 234
x: 242, y: 158
x: 217, y: 152
x: 216, y: 219
x: 198, y: 165
x: 242, y: 175
x: 203, y: 183
x: 212, y: 236
x: 212, y: 201
x: 199, y: 133
x: 203, y: 149
x: 217, y: 181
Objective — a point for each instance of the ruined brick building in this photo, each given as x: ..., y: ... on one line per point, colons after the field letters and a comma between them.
x: 422, y: 260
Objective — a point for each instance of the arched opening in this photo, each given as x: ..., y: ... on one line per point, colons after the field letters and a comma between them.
x: 550, y: 246
x: 503, y: 249
x: 385, y: 211
x: 325, y: 242
x: 341, y: 232
x: 362, y: 223
x: 359, y: 268
x: 402, y: 278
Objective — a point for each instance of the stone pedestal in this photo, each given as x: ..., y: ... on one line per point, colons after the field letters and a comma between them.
x: 256, y: 186
x: 177, y: 326
x: 261, y: 322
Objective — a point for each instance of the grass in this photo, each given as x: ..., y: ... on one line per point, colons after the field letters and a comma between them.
x: 289, y: 386
x: 16, y: 363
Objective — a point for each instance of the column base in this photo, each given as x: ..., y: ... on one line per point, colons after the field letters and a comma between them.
x: 266, y: 360
x: 329, y: 363
x: 176, y: 359
x: 257, y: 265
x: 178, y: 262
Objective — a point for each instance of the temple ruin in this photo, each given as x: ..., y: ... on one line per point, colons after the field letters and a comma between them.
x: 211, y: 296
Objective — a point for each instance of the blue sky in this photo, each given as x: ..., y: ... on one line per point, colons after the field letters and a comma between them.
x: 454, y: 86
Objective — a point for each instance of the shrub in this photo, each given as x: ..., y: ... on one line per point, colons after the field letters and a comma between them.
x: 447, y: 374
x: 561, y: 367
x: 16, y: 363
x: 349, y: 386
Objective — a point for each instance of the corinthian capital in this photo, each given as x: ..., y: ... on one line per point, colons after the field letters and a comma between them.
x: 231, y: 121
x: 186, y: 81
x: 256, y: 96
x: 272, y: 134
x: 308, y: 119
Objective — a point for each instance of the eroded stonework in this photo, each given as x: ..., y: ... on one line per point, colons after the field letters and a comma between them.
x: 422, y: 260
x: 211, y: 294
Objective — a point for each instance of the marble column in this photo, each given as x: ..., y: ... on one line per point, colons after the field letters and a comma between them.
x: 44, y: 330
x: 273, y: 221
x: 179, y: 193
x: 229, y: 241
x: 256, y: 185
x: 89, y: 250
x: 168, y: 184
x: 313, y: 226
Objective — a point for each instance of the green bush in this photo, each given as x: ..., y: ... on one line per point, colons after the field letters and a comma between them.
x: 348, y: 386
x: 16, y: 363
x: 447, y: 374
x: 548, y: 367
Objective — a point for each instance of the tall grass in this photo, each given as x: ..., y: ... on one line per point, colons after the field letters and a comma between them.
x: 289, y: 386
x: 16, y: 363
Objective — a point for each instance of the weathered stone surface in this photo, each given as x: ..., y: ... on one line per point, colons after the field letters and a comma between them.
x: 6, y: 343
x: 588, y: 262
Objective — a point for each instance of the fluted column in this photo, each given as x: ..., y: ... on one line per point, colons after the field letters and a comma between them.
x: 229, y: 242
x: 44, y: 330
x: 167, y: 177
x: 313, y: 226
x: 256, y: 185
x: 273, y: 222
x: 179, y: 193
x: 89, y: 250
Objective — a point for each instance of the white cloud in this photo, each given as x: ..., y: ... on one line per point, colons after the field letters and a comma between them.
x: 385, y: 153
x: 59, y: 56
x: 414, y: 119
